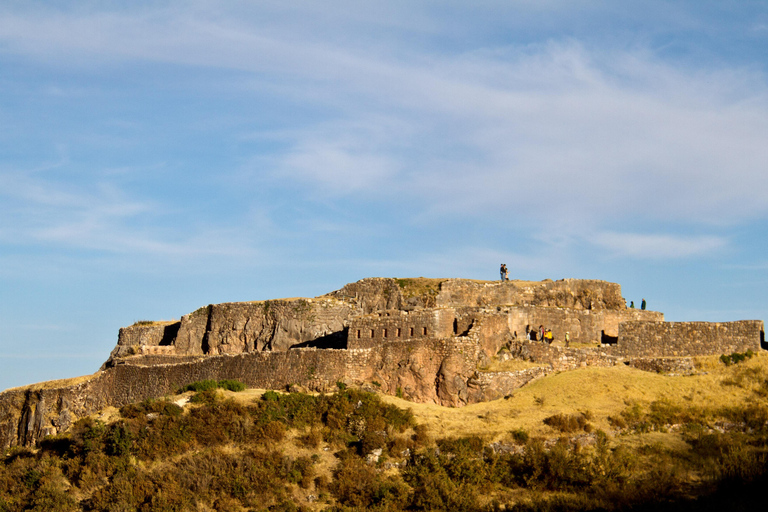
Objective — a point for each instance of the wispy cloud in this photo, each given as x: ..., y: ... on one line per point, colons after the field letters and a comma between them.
x: 540, y: 131
x: 657, y: 246
x: 40, y: 211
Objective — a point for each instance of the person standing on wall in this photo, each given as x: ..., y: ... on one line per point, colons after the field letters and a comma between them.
x: 642, y: 305
x: 504, y: 272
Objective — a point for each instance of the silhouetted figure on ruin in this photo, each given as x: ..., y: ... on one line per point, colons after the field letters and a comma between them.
x: 632, y: 304
x: 642, y: 305
x: 504, y: 272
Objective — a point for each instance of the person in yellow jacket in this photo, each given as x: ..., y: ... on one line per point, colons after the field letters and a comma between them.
x: 548, y: 336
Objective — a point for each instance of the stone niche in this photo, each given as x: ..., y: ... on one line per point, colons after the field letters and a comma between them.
x: 394, y: 325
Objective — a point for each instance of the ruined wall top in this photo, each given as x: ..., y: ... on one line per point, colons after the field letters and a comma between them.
x: 379, y: 294
x: 564, y: 293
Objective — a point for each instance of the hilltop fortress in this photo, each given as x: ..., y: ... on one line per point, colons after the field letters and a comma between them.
x: 427, y: 340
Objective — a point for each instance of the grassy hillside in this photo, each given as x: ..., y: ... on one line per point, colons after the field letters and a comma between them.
x: 595, y: 438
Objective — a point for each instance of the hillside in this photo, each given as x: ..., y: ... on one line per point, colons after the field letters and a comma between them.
x: 612, y: 438
x: 449, y: 342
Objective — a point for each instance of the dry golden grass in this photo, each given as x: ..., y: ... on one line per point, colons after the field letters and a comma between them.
x: 53, y: 384
x: 153, y: 322
x: 603, y: 392
x: 510, y: 365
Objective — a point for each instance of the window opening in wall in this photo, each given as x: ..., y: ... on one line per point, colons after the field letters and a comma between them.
x: 424, y: 331
x: 373, y: 333
x: 411, y: 331
x: 397, y: 332
x: 455, y: 326
x: 385, y: 333
x: 358, y: 334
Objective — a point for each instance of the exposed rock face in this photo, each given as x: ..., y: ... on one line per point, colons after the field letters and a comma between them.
x: 422, y: 339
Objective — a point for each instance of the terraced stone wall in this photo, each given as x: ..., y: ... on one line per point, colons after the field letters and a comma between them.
x: 383, y: 327
x: 670, y: 339
x: 584, y: 326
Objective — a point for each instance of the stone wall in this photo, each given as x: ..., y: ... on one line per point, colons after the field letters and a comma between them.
x: 491, y: 331
x: 371, y: 294
x: 562, y: 358
x: 565, y: 293
x: 241, y: 327
x: 674, y: 339
x: 671, y: 365
x: 584, y: 326
x: 155, y: 333
x: 485, y: 386
x: 425, y: 370
x: 383, y: 327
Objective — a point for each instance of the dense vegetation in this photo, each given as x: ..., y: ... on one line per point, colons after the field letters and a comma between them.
x: 351, y: 451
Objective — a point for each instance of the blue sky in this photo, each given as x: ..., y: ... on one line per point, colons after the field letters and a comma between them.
x: 156, y: 157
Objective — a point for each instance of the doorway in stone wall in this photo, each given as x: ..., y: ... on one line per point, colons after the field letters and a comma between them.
x: 762, y: 341
x: 607, y: 339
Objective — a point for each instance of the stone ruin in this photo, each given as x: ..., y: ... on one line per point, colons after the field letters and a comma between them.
x: 427, y: 340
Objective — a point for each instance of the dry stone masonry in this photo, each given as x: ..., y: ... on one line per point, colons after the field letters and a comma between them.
x: 427, y: 340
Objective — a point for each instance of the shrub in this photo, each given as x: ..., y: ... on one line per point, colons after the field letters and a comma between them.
x: 149, y: 406
x: 736, y: 357
x: 356, y: 484
x: 520, y: 436
x: 202, y: 385
x: 232, y: 385
x: 569, y: 422
x: 118, y: 440
x: 206, y: 396
x: 311, y: 439
x: 209, y: 385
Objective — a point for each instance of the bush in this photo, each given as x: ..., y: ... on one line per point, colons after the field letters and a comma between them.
x: 569, y: 422
x: 202, y: 385
x: 520, y: 436
x: 206, y: 396
x: 232, y: 385
x: 736, y: 357
x: 356, y: 484
x: 209, y: 385
x: 150, y: 406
